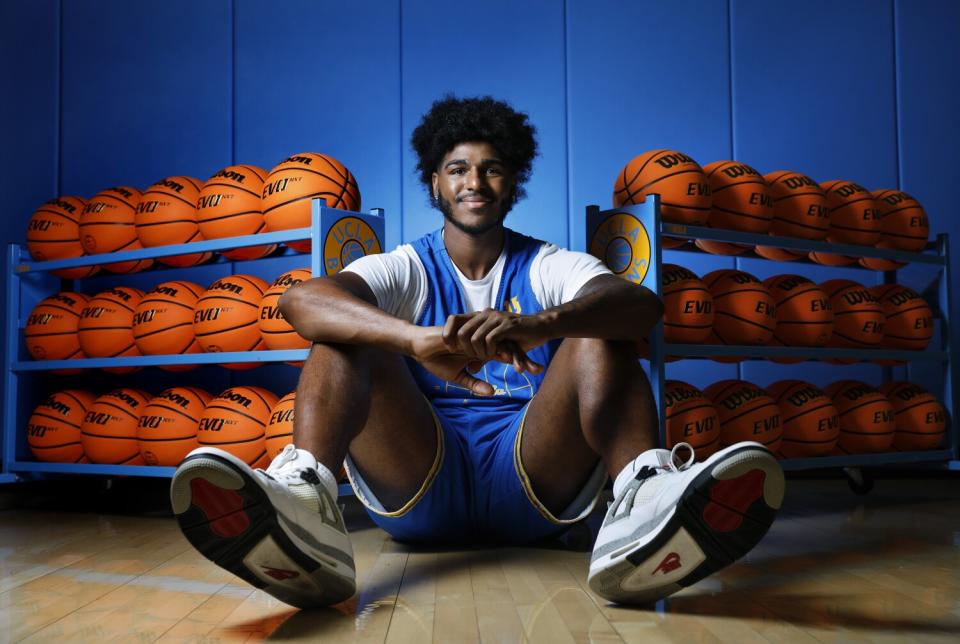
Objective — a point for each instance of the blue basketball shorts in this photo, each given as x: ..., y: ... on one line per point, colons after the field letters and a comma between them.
x: 477, y: 489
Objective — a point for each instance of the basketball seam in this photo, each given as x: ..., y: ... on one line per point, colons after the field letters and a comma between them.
x: 167, y: 194
x: 236, y: 214
x: 233, y: 328
x: 661, y: 178
x: 236, y: 411
x: 149, y: 333
x: 228, y: 185
x: 173, y: 409
x: 67, y: 422
x: 807, y: 411
x: 301, y: 198
x: 212, y: 296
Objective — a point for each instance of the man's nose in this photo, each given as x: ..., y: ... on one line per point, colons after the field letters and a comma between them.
x: 475, y: 179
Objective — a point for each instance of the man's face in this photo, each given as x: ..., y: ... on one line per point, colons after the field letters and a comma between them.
x: 473, y: 188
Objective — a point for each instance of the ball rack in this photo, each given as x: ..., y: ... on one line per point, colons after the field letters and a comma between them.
x: 615, y: 236
x: 337, y: 237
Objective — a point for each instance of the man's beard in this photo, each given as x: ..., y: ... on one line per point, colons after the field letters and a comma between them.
x: 479, y: 229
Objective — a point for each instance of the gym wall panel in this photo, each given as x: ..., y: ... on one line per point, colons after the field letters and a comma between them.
x: 146, y: 91
x: 323, y: 77
x: 929, y: 104
x: 510, y: 50
x: 813, y: 88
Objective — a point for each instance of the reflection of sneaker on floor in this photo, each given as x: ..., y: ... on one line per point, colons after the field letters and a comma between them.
x: 279, y: 529
x: 671, y: 525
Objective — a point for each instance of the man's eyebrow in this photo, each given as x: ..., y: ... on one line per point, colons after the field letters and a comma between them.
x: 453, y: 162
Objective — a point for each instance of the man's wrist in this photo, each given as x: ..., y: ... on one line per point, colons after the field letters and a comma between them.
x: 548, y: 322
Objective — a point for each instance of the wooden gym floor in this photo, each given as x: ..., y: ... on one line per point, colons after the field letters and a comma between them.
x: 835, y: 567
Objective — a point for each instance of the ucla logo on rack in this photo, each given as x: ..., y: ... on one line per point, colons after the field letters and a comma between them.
x: 348, y: 239
x: 623, y: 243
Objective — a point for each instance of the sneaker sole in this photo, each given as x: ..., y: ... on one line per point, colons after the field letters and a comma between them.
x: 724, y: 512
x: 227, y: 516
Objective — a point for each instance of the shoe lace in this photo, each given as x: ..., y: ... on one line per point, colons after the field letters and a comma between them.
x: 673, y: 465
x: 282, y: 469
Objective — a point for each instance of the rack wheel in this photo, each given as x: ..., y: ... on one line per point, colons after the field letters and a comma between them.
x: 859, y: 481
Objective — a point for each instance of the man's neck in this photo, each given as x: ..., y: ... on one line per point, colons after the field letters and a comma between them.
x: 474, y: 255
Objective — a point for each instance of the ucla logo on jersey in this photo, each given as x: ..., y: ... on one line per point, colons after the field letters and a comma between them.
x: 622, y: 242
x: 348, y: 239
x: 512, y: 305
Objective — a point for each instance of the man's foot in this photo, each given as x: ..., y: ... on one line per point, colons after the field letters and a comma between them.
x: 670, y: 525
x: 279, y: 529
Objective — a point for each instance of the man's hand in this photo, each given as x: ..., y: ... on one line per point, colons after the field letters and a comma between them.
x: 496, y: 335
x: 429, y: 349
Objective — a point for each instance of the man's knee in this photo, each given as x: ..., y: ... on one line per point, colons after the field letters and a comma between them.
x: 596, y: 357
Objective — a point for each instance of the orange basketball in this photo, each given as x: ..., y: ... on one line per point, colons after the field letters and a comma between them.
x: 54, y: 233
x: 745, y: 311
x: 227, y: 314
x: 235, y: 421
x: 804, y: 316
x: 277, y: 332
x: 831, y: 259
x: 878, y: 264
x: 679, y: 180
x: 688, y: 306
x: 690, y: 418
x: 777, y: 254
x: 903, y: 222
x: 858, y: 319
x: 811, y: 424
x: 109, y: 429
x: 866, y: 417
x: 799, y: 206
x: 288, y: 191
x: 53, y: 430
x: 909, y: 319
x: 51, y: 331
x: 167, y: 430
x: 229, y: 205
x: 854, y: 214
x: 163, y: 321
x: 279, y: 432
x: 920, y: 419
x: 167, y: 214
x: 741, y: 201
x: 106, y: 323
x: 746, y: 413
x: 107, y: 225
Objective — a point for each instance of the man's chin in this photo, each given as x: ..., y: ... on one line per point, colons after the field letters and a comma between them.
x: 471, y: 228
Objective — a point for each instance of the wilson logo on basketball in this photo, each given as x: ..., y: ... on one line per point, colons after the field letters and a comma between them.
x: 804, y: 395
x: 53, y: 404
x: 796, y: 182
x: 60, y: 297
x: 668, y: 161
x: 163, y: 290
x: 286, y: 280
x: 63, y: 205
x: 168, y: 183
x: 735, y: 171
x: 230, y: 174
x: 670, y: 563
x: 122, y: 191
x: 738, y: 398
x: 849, y: 189
x: 123, y: 295
x: 298, y: 159
x: 175, y: 398
x: 125, y: 397
x: 226, y: 286
x: 233, y: 396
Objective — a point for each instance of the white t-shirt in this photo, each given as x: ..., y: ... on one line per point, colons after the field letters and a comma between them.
x: 399, y: 280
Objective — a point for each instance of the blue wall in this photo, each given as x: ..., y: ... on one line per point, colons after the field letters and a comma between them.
x: 104, y: 92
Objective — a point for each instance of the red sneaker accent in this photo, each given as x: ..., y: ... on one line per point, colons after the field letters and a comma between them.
x: 223, y: 508
x: 279, y: 573
x: 730, y: 499
x: 670, y: 563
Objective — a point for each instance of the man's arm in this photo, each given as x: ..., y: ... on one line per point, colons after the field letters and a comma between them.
x: 606, y: 307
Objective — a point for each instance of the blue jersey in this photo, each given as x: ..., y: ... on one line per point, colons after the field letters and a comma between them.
x: 445, y: 298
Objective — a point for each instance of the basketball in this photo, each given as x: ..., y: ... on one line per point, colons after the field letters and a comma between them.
x: 920, y: 419
x: 53, y: 430
x: 109, y: 429
x: 236, y: 420
x: 107, y: 225
x: 54, y: 233
x: 679, y: 180
x: 746, y: 413
x: 744, y: 309
x: 858, y: 319
x: 106, y: 324
x: 830, y: 259
x: 277, y: 332
x: 167, y: 429
x: 854, y: 214
x: 878, y: 264
x: 688, y: 306
x: 690, y: 418
x: 163, y: 321
x: 51, y: 331
x: 909, y: 319
x: 741, y: 201
x: 167, y: 214
x: 799, y: 206
x: 279, y: 432
x: 804, y: 316
x: 811, y: 424
x: 229, y: 206
x: 866, y: 417
x: 903, y: 222
x: 227, y: 314
x: 291, y: 186
x: 777, y: 254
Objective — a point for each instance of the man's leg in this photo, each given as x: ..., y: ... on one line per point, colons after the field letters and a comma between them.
x: 670, y: 523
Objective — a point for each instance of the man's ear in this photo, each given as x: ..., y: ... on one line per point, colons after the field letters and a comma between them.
x: 435, y: 192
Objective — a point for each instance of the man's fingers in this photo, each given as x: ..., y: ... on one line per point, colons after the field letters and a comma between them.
x: 477, y: 386
x: 452, y: 326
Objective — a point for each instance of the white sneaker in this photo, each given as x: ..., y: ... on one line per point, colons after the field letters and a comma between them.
x: 279, y: 529
x: 670, y: 525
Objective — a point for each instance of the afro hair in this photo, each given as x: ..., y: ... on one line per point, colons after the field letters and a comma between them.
x: 452, y: 121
